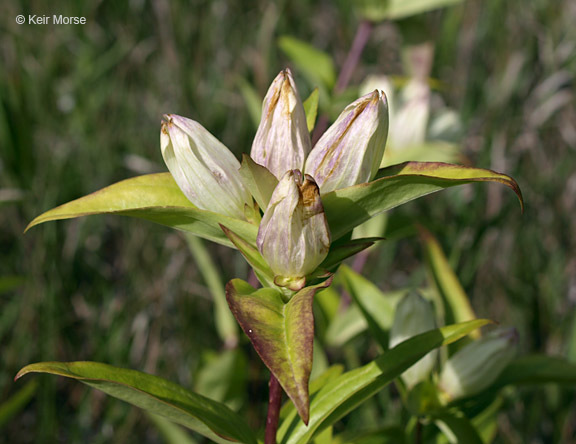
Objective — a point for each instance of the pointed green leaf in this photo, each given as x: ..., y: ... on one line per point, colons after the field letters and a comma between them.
x: 313, y: 63
x: 252, y: 256
x: 339, y: 252
x: 259, y: 181
x: 447, y: 283
x: 352, y: 388
x: 311, y: 108
x: 349, y: 207
x: 153, y: 394
x: 154, y: 197
x: 282, y: 333
x: 378, y: 308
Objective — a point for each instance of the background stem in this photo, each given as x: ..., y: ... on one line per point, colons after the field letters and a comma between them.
x: 274, y: 402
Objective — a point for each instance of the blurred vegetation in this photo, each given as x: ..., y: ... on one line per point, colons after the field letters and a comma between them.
x: 80, y: 108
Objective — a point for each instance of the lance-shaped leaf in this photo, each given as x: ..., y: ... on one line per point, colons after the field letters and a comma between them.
x: 340, y: 251
x: 349, y: 207
x: 282, y: 334
x: 352, y: 388
x: 252, y: 256
x: 153, y: 394
x: 154, y: 197
x: 447, y: 283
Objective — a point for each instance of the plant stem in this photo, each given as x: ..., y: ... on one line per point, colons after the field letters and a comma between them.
x: 274, y: 402
x: 360, y: 39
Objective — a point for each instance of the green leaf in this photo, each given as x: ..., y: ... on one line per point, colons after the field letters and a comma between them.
x: 313, y: 63
x: 252, y: 256
x: 223, y: 319
x: 311, y: 108
x: 377, y: 308
x: 154, y: 197
x: 457, y: 428
x: 352, y: 388
x: 15, y: 404
x: 537, y: 369
x: 348, y: 207
x: 259, y: 181
x: 339, y: 252
x: 252, y: 99
x: 282, y: 333
x: 156, y: 395
x: 446, y: 281
x: 171, y: 433
x: 378, y: 10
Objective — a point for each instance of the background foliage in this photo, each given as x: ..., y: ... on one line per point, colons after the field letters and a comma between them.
x: 80, y: 108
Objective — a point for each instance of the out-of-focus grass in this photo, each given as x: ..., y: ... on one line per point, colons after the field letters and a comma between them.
x: 80, y: 108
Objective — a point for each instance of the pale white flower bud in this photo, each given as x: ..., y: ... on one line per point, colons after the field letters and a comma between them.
x: 478, y: 364
x: 414, y: 315
x: 282, y: 141
x: 351, y: 150
x: 204, y: 169
x: 294, y: 237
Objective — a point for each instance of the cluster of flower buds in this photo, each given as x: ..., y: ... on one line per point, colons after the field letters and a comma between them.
x: 293, y: 237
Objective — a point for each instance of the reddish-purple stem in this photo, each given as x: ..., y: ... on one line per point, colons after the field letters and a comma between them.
x: 274, y: 402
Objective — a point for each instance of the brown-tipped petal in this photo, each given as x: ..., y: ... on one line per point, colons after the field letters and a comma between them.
x: 351, y: 150
x: 282, y: 141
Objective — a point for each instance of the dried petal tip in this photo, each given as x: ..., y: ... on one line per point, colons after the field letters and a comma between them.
x: 204, y: 169
x: 294, y: 237
x: 351, y: 150
x: 282, y: 141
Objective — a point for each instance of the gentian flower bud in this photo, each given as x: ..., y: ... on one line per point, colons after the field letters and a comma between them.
x: 351, y: 150
x: 204, y: 169
x: 282, y: 141
x: 414, y: 315
x: 294, y: 237
x: 478, y: 364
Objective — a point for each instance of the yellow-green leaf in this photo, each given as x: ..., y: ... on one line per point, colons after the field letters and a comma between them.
x: 156, y: 395
x: 154, y: 197
x: 349, y: 207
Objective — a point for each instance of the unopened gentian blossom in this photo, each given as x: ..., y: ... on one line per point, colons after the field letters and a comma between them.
x: 294, y: 237
x: 350, y: 151
x: 204, y: 169
x: 282, y: 141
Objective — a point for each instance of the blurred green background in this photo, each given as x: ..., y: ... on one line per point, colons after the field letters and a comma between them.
x: 80, y: 108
